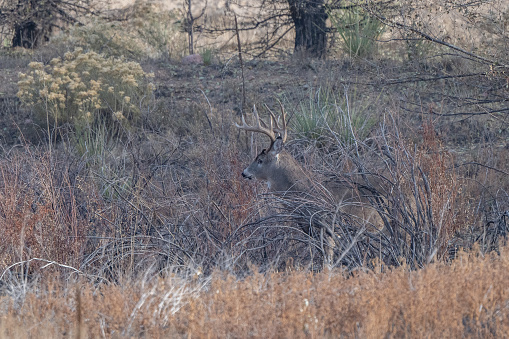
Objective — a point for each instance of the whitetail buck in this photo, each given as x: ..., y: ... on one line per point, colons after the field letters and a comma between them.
x: 274, y: 165
x: 286, y: 177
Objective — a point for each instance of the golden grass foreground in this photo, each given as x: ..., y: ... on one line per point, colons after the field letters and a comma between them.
x: 466, y: 298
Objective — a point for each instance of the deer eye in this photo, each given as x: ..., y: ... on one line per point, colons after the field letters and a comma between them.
x: 260, y: 161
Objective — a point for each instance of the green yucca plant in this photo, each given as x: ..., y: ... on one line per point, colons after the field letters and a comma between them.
x: 358, y: 31
x: 328, y: 113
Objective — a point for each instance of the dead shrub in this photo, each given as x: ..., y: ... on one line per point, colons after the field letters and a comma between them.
x: 39, y: 211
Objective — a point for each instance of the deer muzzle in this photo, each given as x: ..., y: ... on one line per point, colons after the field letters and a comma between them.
x: 246, y: 176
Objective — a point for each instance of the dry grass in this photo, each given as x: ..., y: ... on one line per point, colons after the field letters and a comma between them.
x: 39, y: 213
x: 466, y: 298
x: 174, y: 253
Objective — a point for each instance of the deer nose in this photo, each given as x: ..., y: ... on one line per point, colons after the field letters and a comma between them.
x: 244, y: 175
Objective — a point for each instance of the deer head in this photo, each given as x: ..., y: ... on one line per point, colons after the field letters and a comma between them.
x: 273, y: 165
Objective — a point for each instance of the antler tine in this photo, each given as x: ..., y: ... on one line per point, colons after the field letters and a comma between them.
x: 281, y: 130
x: 260, y: 121
x: 260, y: 126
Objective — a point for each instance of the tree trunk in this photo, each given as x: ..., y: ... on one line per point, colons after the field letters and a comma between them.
x: 26, y: 35
x: 27, y: 28
x: 309, y: 17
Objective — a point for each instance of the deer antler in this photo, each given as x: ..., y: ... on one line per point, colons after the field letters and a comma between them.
x: 261, y: 127
x: 280, y: 130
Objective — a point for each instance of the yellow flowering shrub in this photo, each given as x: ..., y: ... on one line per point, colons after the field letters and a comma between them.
x: 84, y: 88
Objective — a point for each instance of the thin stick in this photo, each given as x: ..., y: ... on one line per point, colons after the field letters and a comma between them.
x: 241, y: 65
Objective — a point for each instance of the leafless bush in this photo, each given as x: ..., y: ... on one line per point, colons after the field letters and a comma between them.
x: 421, y: 201
x: 165, y: 202
x: 40, y: 215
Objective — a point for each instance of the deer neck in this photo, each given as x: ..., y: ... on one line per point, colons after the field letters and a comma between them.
x: 287, y: 175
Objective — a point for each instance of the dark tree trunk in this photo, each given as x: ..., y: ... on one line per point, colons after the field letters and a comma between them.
x: 26, y: 35
x: 26, y: 30
x: 309, y: 17
x: 33, y: 20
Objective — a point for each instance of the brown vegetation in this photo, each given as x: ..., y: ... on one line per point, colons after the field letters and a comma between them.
x: 465, y: 298
x: 146, y: 228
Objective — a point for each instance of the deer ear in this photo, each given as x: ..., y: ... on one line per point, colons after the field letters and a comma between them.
x: 277, y: 146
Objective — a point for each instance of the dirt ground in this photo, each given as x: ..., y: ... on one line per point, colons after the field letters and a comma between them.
x: 217, y: 88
